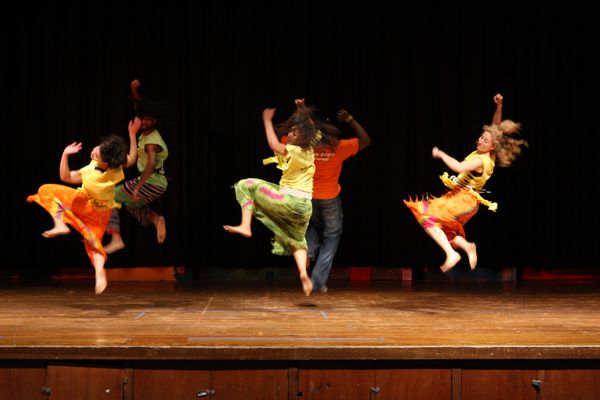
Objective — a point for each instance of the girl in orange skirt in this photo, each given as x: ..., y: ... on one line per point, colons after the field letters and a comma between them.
x: 443, y: 218
x: 88, y: 208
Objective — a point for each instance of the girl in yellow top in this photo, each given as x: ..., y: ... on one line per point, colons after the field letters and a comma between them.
x: 88, y: 208
x: 285, y: 208
x: 443, y: 218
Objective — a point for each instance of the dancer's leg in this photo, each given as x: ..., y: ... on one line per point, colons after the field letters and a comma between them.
x: 452, y: 257
x: 301, y: 256
x: 469, y: 247
x: 161, y: 229
x: 60, y: 228
x: 101, y: 281
x: 245, y: 227
x: 114, y: 229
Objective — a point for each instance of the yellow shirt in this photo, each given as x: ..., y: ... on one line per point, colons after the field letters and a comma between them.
x: 100, y: 185
x: 298, y: 168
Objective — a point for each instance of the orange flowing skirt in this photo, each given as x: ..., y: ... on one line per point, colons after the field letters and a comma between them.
x: 450, y: 212
x: 78, y: 210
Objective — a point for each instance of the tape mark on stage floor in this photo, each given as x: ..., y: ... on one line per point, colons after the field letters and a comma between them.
x: 286, y: 338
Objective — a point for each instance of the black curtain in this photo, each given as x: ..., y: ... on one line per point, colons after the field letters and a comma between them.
x: 414, y: 79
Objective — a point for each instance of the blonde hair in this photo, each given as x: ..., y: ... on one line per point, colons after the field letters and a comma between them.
x: 506, y: 148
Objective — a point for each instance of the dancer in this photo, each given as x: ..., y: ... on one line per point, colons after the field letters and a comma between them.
x: 326, y: 222
x: 443, y: 218
x: 88, y: 208
x: 137, y: 193
x: 285, y: 208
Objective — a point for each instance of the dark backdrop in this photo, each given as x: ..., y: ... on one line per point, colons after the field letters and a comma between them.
x: 413, y: 78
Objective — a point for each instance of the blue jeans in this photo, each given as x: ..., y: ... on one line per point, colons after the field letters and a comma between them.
x: 323, y: 237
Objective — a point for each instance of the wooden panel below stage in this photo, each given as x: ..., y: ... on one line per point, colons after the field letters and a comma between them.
x: 295, y: 380
x: 387, y: 321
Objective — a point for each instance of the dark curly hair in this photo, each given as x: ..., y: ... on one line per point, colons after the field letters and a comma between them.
x: 113, y: 151
x: 163, y: 110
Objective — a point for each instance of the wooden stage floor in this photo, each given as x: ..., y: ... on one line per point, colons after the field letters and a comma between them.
x: 254, y: 321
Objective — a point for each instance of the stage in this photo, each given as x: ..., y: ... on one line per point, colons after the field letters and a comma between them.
x: 387, y: 320
x: 418, y: 326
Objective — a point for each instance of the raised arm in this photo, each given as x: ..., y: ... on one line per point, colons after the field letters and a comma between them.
x: 133, y: 128
x: 66, y: 175
x: 497, y: 118
x: 274, y: 143
x: 135, y: 85
x: 454, y: 164
x: 135, y: 95
x: 363, y: 137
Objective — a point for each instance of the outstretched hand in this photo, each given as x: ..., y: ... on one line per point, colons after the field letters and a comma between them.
x: 435, y: 152
x: 134, y: 125
x: 299, y: 103
x: 343, y: 115
x: 73, y: 148
x: 268, y: 113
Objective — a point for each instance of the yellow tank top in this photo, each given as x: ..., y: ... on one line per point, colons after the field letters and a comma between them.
x: 476, y: 181
x: 471, y: 182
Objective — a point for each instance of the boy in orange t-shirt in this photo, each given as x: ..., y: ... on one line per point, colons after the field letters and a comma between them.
x: 326, y: 222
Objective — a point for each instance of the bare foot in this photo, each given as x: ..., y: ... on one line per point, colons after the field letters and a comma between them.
x: 101, y: 282
x: 239, y: 230
x: 114, y: 246
x: 307, y: 285
x: 56, y: 231
x: 161, y: 229
x: 472, y: 254
x: 451, y: 261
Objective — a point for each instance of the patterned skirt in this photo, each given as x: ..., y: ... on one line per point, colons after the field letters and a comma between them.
x: 285, y: 215
x: 449, y: 212
x: 78, y: 210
